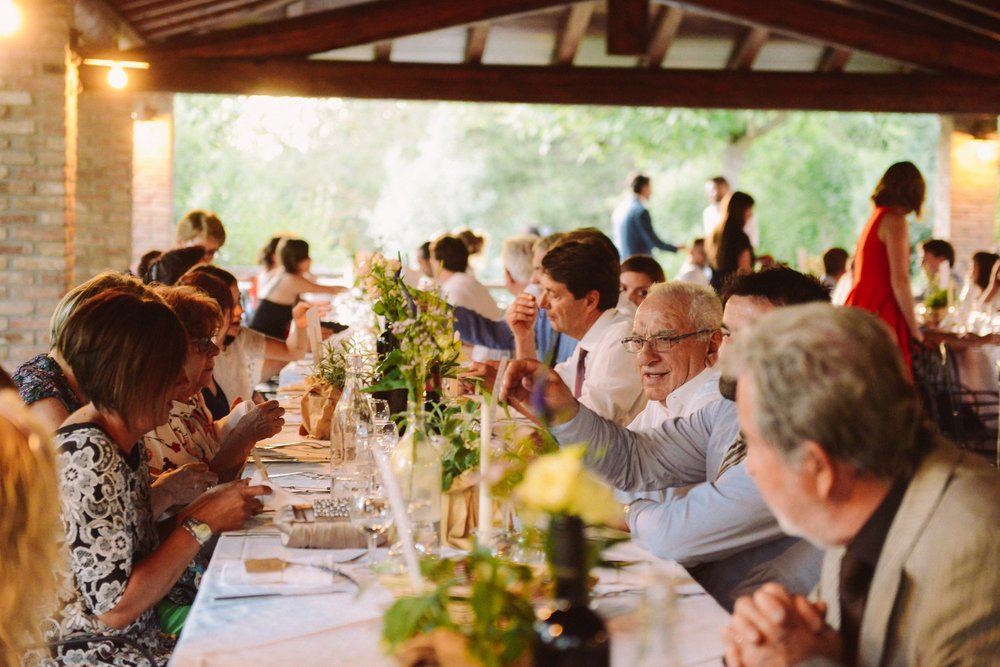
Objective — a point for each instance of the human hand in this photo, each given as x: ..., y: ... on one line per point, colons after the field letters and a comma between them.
x: 182, y: 485
x: 520, y: 382
x: 261, y: 421
x: 774, y: 627
x: 521, y: 315
x: 300, y: 309
x: 228, y: 506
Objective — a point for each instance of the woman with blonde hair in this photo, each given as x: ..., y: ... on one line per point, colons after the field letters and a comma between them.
x: 882, y: 258
x: 29, y: 528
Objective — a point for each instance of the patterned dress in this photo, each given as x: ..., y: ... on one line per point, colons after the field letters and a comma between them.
x: 41, y: 377
x: 189, y: 436
x: 108, y: 520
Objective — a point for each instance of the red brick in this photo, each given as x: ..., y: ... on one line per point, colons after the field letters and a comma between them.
x: 9, y: 307
x: 17, y: 188
x: 16, y: 219
x: 15, y: 248
x: 39, y: 263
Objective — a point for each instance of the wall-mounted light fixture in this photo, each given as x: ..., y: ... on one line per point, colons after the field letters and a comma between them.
x: 117, y: 78
x: 10, y: 18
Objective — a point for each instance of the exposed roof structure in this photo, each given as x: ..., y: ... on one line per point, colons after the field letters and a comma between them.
x: 879, y: 55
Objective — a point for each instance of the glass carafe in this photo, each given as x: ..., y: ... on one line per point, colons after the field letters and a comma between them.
x: 416, y: 463
x: 353, y: 423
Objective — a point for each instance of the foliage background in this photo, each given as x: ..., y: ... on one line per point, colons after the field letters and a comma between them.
x: 349, y: 175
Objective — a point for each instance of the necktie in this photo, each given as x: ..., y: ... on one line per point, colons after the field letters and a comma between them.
x: 581, y: 372
x: 734, y: 456
x: 855, y: 578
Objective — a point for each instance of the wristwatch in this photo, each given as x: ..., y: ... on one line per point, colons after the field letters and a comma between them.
x: 199, y: 530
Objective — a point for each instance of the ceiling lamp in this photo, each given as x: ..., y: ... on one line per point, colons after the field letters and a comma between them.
x: 10, y: 18
x: 117, y: 78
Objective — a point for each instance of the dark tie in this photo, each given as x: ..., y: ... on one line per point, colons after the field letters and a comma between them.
x: 581, y: 372
x: 855, y: 578
x: 734, y: 455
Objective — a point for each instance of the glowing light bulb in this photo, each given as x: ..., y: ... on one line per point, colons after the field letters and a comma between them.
x: 10, y: 18
x: 117, y: 78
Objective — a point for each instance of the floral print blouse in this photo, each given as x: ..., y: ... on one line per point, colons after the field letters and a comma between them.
x: 189, y: 436
x: 108, y: 520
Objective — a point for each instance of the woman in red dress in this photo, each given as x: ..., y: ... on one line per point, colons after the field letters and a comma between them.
x: 882, y: 257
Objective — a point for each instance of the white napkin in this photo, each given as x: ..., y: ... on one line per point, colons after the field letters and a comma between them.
x: 237, y: 413
x: 278, y: 497
x: 314, y: 333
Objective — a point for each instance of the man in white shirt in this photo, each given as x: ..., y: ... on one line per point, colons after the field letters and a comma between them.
x: 580, y: 286
x: 696, y: 269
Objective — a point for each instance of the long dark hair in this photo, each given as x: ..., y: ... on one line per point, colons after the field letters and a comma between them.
x: 730, y: 239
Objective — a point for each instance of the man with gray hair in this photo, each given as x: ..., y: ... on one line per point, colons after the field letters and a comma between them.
x: 720, y: 528
x: 516, y: 254
x: 838, y: 448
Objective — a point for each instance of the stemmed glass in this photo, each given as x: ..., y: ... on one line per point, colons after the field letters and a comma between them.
x: 370, y: 512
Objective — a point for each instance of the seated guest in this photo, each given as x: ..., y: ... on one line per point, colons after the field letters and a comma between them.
x: 171, y: 265
x: 729, y: 248
x: 720, y: 528
x: 834, y: 267
x: 449, y: 264
x: 580, y: 294
x: 190, y: 435
x: 267, y: 260
x: 249, y: 356
x: 639, y: 273
x: 277, y: 297
x: 117, y: 568
x: 837, y: 446
x: 695, y: 268
x: 937, y: 258
x: 552, y: 346
x: 981, y: 269
x: 516, y: 254
x: 29, y: 527
x: 46, y: 383
x: 202, y: 228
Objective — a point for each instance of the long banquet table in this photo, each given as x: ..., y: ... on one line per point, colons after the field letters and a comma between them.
x: 306, y: 616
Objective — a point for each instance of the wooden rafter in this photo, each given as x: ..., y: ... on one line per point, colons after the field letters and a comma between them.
x: 665, y: 27
x: 908, y: 16
x: 747, y: 48
x: 833, y: 60
x: 221, y: 16
x: 980, y: 20
x: 475, y: 42
x: 172, y: 8
x: 125, y: 32
x: 838, y: 26
x: 352, y: 25
x: 628, y: 22
x: 573, y: 29
x: 924, y: 93
x: 383, y: 52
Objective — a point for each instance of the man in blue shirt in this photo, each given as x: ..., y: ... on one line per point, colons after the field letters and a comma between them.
x: 632, y: 226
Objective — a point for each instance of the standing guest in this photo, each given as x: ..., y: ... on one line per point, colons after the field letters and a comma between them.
x: 695, y: 268
x: 279, y: 295
x: 118, y: 569
x: 580, y: 294
x: 937, y: 258
x: 29, y: 527
x: 882, y: 258
x: 730, y: 250
x: 716, y: 190
x: 632, y: 225
x: 837, y: 446
x: 169, y: 266
x: 449, y: 264
x: 200, y: 227
x: 47, y: 383
x: 639, y: 273
x: 834, y: 267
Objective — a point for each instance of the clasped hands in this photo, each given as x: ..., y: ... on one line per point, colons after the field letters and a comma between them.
x: 772, y: 627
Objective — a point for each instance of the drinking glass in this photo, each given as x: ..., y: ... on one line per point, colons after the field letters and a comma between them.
x: 347, y: 483
x: 386, y: 436
x: 370, y: 512
x: 381, y: 411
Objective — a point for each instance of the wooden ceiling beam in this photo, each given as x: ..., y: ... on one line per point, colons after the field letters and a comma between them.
x: 833, y: 60
x: 125, y: 33
x: 167, y: 8
x: 475, y: 43
x: 922, y: 93
x: 628, y: 24
x: 908, y: 15
x: 838, y: 26
x: 746, y: 50
x: 216, y: 19
x: 573, y: 30
x: 383, y: 52
x: 352, y: 25
x: 665, y: 27
x: 979, y: 20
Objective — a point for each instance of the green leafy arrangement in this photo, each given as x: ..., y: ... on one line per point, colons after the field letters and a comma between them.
x: 331, y: 371
x: 481, y: 598
x: 936, y: 298
x: 457, y: 422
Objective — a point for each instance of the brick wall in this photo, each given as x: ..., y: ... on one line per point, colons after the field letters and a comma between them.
x: 103, y: 233
x: 37, y: 177
x: 975, y: 186
x: 152, y: 169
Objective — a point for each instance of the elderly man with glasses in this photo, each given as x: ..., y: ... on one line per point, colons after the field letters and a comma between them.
x: 718, y: 526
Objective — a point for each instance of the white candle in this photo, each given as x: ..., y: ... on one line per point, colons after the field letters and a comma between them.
x: 485, y: 500
x: 401, y: 519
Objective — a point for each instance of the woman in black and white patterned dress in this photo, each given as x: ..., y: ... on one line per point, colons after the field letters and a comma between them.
x: 127, y: 352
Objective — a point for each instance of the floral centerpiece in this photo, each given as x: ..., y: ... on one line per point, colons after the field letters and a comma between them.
x: 324, y: 387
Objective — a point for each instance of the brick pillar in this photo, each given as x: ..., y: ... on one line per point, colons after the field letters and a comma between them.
x: 38, y: 87
x: 152, y: 174
x: 974, y: 163
x: 104, y: 184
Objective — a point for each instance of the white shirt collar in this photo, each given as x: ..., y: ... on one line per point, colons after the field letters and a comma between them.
x: 597, y: 329
x: 678, y: 399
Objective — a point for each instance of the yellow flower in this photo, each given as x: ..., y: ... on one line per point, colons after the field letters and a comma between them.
x: 558, y: 483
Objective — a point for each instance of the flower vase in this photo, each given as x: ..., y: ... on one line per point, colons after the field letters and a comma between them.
x: 416, y: 464
x: 385, y: 344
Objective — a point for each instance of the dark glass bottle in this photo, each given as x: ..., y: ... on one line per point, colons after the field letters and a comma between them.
x: 384, y: 344
x: 568, y: 633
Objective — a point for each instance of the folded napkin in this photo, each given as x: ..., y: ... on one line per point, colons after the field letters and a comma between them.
x: 304, y: 526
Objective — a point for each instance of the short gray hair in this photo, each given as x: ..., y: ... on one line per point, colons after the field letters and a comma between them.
x: 699, y: 301
x: 516, y: 254
x: 834, y: 376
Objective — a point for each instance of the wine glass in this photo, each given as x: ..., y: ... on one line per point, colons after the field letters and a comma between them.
x: 386, y: 435
x: 371, y: 513
x: 380, y: 411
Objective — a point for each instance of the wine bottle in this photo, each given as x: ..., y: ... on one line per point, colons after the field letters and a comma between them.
x: 568, y: 633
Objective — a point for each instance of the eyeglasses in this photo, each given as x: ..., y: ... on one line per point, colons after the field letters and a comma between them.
x: 207, y: 343
x: 658, y: 344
